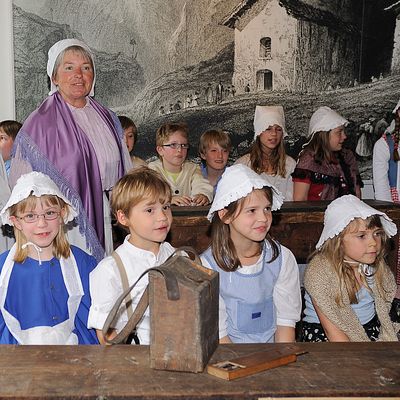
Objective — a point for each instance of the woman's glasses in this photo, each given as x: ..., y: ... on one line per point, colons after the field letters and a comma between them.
x: 177, y: 146
x: 48, y: 216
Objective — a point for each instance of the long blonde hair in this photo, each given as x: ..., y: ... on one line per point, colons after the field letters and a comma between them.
x: 61, y: 247
x: 259, y: 159
x: 332, y: 249
x: 222, y: 247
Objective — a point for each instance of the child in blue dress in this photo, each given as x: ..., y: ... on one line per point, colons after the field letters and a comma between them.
x: 260, y: 299
x: 44, y: 282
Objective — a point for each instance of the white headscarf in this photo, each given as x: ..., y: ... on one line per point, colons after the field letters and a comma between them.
x: 237, y: 182
x: 325, y: 119
x: 55, y: 51
x: 36, y: 184
x: 343, y: 210
x: 266, y: 116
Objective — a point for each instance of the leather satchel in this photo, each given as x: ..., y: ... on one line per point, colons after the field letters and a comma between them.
x: 183, y: 298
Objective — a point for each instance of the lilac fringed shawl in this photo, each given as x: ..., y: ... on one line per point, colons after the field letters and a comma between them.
x: 54, y: 144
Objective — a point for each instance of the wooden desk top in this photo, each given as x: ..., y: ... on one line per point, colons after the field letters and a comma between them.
x: 289, y: 207
x: 122, y: 372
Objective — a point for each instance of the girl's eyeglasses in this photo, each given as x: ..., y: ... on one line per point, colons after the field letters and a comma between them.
x: 177, y: 146
x: 48, y: 216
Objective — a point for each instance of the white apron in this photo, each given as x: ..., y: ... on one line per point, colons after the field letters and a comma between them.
x: 58, y: 334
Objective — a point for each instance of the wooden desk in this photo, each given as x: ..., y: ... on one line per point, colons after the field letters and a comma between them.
x: 297, y: 225
x: 122, y: 372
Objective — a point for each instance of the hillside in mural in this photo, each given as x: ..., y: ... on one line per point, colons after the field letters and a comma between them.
x: 361, y: 104
x: 118, y: 76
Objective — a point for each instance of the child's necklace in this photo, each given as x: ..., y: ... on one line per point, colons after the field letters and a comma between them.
x: 367, y: 270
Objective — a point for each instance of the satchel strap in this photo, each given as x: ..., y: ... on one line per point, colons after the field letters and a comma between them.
x: 124, y: 281
x: 172, y: 287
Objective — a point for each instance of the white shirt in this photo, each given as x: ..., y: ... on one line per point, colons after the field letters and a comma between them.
x: 283, y: 184
x: 286, y: 296
x: 380, y: 169
x: 106, y: 286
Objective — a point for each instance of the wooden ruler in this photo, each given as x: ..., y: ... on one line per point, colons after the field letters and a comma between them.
x: 253, y: 363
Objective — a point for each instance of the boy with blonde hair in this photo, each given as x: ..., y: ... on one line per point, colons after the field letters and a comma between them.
x: 188, y: 185
x: 141, y: 203
x: 214, y: 148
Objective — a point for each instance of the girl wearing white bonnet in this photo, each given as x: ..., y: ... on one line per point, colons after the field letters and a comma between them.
x: 386, y: 177
x: 267, y: 154
x: 349, y: 286
x: 325, y: 169
x: 260, y: 298
x: 44, y: 281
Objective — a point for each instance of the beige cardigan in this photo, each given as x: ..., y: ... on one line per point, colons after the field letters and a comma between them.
x: 322, y: 284
x: 190, y: 181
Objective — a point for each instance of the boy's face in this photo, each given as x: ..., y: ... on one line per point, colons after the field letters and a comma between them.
x: 215, y: 156
x: 129, y: 134
x: 173, y: 159
x: 6, y: 144
x: 149, y: 223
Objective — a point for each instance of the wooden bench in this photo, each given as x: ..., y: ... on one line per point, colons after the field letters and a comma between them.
x: 297, y: 225
x: 123, y: 372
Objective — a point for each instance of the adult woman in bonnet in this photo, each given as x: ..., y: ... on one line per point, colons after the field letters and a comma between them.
x: 77, y: 142
x: 326, y: 170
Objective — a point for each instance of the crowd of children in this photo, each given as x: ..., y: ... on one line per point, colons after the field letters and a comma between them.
x: 52, y: 292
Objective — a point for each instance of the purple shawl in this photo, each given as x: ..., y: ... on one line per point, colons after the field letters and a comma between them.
x: 54, y: 144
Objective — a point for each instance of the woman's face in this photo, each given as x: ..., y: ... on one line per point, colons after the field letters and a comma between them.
x: 74, y: 78
x: 337, y: 137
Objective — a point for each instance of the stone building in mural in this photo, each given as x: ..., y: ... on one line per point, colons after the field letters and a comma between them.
x: 305, y: 46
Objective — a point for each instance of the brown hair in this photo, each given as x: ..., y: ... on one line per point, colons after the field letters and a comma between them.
x: 126, y: 123
x: 320, y: 147
x: 222, y: 247
x: 214, y: 136
x: 332, y: 249
x: 165, y: 131
x: 137, y: 185
x: 259, y: 160
x: 61, y: 247
x: 10, y: 127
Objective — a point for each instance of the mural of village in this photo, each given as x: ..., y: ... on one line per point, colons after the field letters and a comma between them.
x: 210, y: 62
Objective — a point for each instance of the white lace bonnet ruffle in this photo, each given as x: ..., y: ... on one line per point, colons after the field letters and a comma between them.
x: 343, y: 210
x: 265, y: 116
x: 54, y: 52
x: 324, y: 119
x: 36, y: 184
x: 237, y: 182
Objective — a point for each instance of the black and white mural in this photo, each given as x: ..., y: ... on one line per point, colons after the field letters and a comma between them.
x: 209, y: 62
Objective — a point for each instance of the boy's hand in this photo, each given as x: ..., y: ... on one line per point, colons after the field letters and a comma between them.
x: 200, y: 200
x: 181, y: 200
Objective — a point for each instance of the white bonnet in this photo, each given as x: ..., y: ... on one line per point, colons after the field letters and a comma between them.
x: 343, y: 210
x: 396, y: 108
x: 37, y: 184
x: 266, y: 116
x: 237, y: 182
x: 55, y: 51
x: 325, y: 119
